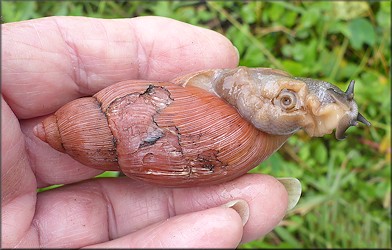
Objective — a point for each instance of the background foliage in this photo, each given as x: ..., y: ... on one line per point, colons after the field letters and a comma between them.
x: 346, y: 184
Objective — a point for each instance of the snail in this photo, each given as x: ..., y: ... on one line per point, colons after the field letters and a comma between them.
x: 202, y: 128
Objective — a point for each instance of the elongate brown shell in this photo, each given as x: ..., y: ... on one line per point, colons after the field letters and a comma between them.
x: 190, y: 132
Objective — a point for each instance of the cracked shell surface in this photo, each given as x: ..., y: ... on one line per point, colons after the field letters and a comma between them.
x: 197, y: 144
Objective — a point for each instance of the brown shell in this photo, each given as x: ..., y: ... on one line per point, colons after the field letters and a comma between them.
x: 160, y: 133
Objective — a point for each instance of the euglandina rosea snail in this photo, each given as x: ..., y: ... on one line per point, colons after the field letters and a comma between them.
x: 202, y: 128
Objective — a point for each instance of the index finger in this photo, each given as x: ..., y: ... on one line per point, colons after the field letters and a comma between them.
x: 50, y: 61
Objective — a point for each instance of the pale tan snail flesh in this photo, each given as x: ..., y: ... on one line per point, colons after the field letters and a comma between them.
x: 203, y: 128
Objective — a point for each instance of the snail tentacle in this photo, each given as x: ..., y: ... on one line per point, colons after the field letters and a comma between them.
x: 362, y: 119
x: 350, y: 91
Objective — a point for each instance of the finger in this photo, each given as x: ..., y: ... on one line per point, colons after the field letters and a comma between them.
x: 265, y: 195
x: 18, y: 186
x: 211, y: 228
x: 48, y: 62
x: 100, y: 210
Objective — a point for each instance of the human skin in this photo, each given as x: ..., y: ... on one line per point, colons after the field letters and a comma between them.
x: 48, y: 62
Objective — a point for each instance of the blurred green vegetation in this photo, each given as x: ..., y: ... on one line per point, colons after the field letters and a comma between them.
x: 346, y: 184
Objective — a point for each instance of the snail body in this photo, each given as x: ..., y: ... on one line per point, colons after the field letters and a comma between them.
x: 203, y: 128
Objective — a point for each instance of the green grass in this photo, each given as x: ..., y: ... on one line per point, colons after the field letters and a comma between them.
x: 346, y: 184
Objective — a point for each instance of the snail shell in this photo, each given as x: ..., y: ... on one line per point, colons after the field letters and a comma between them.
x: 200, y: 129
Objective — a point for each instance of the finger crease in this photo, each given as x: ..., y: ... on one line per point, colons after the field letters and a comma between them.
x: 110, y: 213
x: 75, y: 61
x: 171, y: 209
x: 35, y: 225
x: 142, y: 60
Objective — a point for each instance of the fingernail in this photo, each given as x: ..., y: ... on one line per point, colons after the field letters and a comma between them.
x: 241, y: 207
x: 293, y: 187
x: 237, y: 52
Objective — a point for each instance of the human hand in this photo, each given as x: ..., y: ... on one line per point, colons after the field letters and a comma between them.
x: 48, y: 62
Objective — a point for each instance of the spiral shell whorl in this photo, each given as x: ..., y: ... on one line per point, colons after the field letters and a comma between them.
x: 48, y: 131
x: 80, y: 129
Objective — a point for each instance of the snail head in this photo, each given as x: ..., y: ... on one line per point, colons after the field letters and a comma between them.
x: 279, y: 104
x: 330, y: 108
